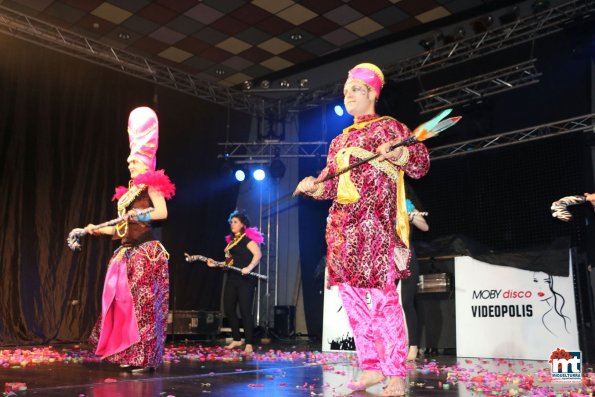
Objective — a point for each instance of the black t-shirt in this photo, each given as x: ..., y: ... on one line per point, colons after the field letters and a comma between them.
x: 242, y: 257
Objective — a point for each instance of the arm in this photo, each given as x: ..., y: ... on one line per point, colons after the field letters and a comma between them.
x: 419, y: 221
x: 108, y: 230
x: 159, y: 205
x: 413, y: 159
x: 324, y: 190
x: 256, y: 255
x: 590, y: 198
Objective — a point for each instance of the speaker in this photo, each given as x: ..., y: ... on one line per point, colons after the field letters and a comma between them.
x: 193, y: 322
x: 284, y: 320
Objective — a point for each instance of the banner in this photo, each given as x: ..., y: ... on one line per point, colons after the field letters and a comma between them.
x: 337, y: 334
x: 504, y: 312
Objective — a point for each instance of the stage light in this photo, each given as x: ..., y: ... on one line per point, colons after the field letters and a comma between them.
x: 339, y: 110
x: 540, y: 5
x: 277, y: 169
x: 304, y: 83
x: 259, y: 174
x: 265, y: 84
x: 247, y: 85
x: 510, y: 16
x: 285, y: 84
x: 482, y: 24
x: 427, y: 43
x: 240, y: 175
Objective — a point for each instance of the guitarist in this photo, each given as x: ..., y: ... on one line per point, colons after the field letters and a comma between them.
x: 242, y: 251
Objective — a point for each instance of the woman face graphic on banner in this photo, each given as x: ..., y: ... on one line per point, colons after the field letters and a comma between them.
x: 554, y: 319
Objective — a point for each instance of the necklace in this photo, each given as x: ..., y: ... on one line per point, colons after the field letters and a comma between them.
x: 127, y: 198
x: 232, y: 243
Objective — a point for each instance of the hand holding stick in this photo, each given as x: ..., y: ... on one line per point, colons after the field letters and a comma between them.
x: 424, y: 131
x: 193, y: 258
x: 73, y: 239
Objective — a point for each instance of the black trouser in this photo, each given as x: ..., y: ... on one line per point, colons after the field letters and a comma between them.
x: 408, y: 291
x: 239, y: 291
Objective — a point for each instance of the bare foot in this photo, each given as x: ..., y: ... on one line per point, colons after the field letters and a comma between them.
x: 367, y: 379
x: 396, y: 387
x: 248, y: 349
x: 412, y: 353
x: 234, y: 344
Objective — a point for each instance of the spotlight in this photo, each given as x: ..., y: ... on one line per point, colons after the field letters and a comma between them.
x: 219, y: 72
x: 247, y: 85
x: 457, y: 35
x: 277, y: 169
x: 240, y: 175
x: 285, y: 84
x: 510, y: 16
x: 304, y: 83
x: 540, y: 5
x: 259, y: 174
x: 482, y: 24
x: 265, y: 84
x: 339, y: 110
x: 427, y: 43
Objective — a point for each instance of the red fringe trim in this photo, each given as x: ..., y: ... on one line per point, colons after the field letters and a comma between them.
x: 155, y: 179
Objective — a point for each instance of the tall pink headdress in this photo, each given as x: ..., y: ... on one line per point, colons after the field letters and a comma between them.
x: 369, y: 74
x: 143, y: 134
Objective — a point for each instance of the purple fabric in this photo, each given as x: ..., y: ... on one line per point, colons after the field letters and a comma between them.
x: 379, y: 330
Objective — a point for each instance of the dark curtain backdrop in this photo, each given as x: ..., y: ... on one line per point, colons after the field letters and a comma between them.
x: 63, y: 149
x: 500, y: 197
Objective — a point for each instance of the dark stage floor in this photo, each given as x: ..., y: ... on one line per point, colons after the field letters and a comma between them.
x: 195, y: 369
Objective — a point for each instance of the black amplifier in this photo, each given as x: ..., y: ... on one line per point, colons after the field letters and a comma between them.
x: 193, y: 322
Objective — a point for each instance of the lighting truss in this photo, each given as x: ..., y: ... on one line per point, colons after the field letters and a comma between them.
x: 479, y: 87
x: 41, y: 33
x: 521, y: 31
x: 577, y: 124
x: 506, y: 36
x: 269, y: 150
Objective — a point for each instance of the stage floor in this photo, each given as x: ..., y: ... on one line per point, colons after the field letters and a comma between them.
x: 193, y: 369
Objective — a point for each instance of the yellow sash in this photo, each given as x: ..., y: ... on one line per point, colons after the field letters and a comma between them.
x: 347, y: 192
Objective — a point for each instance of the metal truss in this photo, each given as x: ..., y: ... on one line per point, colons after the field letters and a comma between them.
x: 69, y: 43
x: 479, y: 87
x: 269, y: 150
x: 584, y: 123
x: 521, y: 31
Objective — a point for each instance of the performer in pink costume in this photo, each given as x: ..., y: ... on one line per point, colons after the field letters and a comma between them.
x: 132, y: 328
x: 365, y: 252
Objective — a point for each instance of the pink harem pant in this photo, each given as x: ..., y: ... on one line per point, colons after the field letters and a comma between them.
x: 379, y: 330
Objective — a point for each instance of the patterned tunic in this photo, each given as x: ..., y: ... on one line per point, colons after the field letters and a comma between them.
x: 361, y: 237
x: 146, y: 266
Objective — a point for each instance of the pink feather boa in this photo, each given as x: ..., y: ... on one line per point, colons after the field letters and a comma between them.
x: 155, y: 179
x: 252, y: 233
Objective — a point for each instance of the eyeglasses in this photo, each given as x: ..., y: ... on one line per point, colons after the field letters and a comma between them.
x: 356, y: 89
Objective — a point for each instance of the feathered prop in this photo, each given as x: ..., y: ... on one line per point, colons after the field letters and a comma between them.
x: 559, y: 207
x: 424, y: 131
x: 74, y: 237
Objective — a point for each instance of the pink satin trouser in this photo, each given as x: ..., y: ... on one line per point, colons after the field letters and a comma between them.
x: 379, y: 330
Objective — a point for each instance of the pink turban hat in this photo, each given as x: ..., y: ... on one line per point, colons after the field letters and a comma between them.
x: 368, y: 74
x: 143, y: 134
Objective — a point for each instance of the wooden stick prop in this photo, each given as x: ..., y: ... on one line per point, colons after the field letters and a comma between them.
x: 194, y: 258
